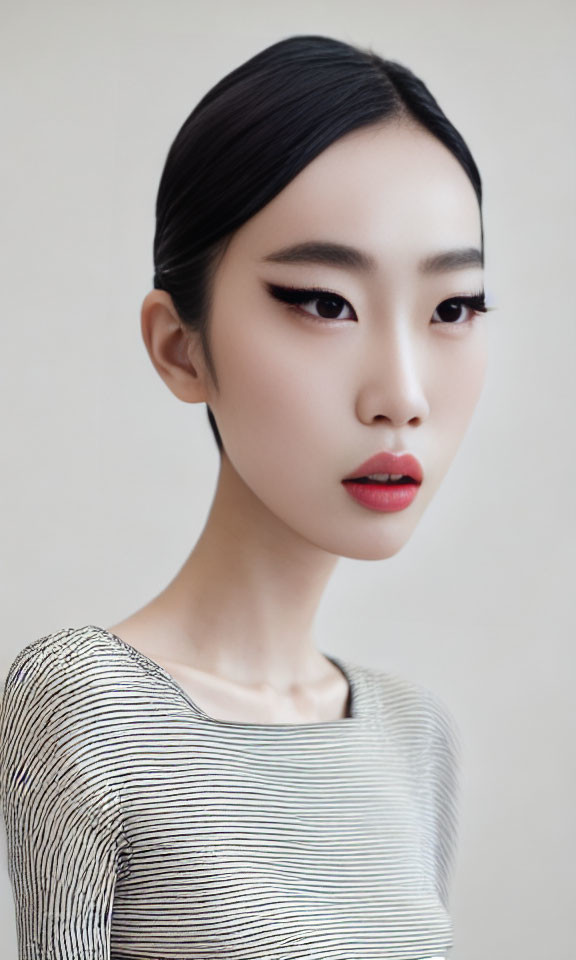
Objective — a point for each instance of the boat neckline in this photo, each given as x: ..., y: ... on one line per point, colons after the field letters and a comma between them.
x: 353, y: 712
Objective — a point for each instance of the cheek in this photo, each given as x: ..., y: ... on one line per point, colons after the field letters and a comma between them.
x: 458, y: 378
x: 275, y: 406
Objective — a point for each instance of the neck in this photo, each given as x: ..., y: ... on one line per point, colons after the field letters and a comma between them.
x: 244, y: 602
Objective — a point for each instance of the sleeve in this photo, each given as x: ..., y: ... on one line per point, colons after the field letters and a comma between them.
x: 62, y: 818
x: 442, y: 778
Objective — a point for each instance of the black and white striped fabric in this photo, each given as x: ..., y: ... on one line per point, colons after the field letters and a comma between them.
x: 140, y: 828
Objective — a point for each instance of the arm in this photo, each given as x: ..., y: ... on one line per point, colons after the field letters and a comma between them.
x: 442, y: 766
x: 62, y: 818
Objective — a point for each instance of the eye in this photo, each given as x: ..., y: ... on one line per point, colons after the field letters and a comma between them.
x: 460, y: 310
x: 329, y: 305
x: 456, y: 311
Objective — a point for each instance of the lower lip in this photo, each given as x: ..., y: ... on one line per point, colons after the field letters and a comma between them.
x: 378, y: 496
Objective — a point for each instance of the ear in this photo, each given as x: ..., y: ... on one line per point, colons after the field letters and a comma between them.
x: 174, y: 350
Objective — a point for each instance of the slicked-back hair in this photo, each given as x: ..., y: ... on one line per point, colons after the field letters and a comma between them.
x: 252, y: 133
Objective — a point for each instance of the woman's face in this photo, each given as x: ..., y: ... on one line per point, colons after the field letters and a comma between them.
x: 306, y: 393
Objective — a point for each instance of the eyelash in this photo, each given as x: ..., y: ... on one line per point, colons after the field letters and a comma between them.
x: 296, y: 296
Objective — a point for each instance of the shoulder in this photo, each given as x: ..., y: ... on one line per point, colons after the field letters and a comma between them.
x: 409, y: 706
x: 66, y: 656
x: 58, y: 735
x: 58, y: 681
x: 63, y: 715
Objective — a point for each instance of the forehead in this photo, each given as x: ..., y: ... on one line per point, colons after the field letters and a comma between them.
x: 392, y: 189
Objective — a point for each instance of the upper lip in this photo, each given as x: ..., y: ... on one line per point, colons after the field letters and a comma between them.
x: 386, y: 462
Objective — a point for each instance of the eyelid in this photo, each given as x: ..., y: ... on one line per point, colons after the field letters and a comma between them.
x: 276, y: 289
x: 294, y: 296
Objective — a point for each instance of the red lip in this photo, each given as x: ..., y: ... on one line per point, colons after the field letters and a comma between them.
x: 386, y: 462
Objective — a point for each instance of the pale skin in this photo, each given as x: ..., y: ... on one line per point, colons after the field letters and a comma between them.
x: 301, y: 402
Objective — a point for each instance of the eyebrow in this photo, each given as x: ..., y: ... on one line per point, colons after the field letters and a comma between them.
x: 351, y: 258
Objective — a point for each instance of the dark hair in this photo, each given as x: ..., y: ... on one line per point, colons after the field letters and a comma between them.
x: 252, y: 133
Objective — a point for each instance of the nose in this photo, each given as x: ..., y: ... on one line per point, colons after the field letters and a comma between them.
x: 391, y: 387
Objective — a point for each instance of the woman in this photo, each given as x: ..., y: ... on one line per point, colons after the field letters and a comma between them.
x: 199, y: 780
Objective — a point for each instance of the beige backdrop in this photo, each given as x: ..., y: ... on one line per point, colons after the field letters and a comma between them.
x: 107, y: 477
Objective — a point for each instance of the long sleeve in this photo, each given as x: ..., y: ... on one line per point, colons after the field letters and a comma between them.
x: 442, y: 777
x: 61, y: 815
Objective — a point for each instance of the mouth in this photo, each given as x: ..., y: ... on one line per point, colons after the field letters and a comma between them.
x: 384, y: 495
x: 383, y: 480
x: 388, y: 469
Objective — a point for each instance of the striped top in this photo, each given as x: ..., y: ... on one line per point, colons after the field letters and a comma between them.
x: 140, y: 828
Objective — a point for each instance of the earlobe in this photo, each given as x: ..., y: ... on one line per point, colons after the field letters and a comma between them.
x: 171, y: 347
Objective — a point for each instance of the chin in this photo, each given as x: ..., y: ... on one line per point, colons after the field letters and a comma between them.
x: 373, y: 537
x: 378, y: 547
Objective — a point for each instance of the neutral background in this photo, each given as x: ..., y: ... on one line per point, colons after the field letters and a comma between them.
x: 107, y: 478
